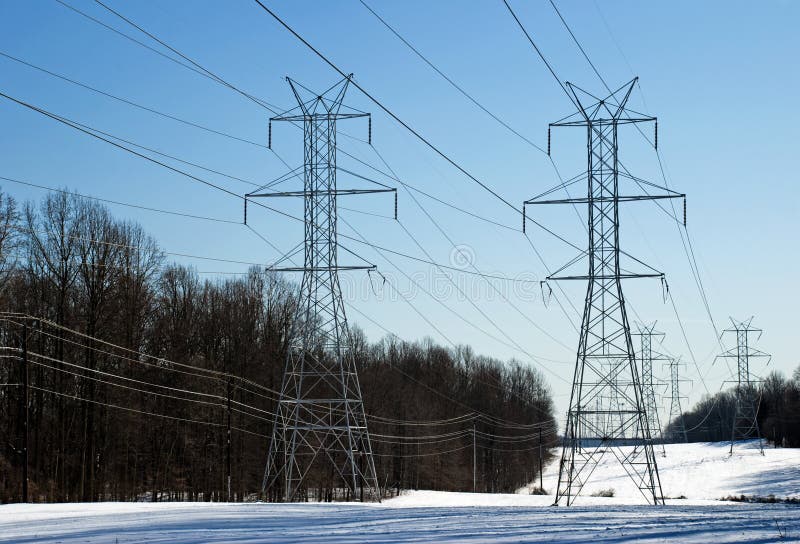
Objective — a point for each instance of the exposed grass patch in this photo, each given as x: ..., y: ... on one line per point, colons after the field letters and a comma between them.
x: 769, y: 499
x: 604, y: 493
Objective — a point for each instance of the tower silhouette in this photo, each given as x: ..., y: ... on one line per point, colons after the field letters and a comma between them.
x: 320, y: 427
x: 607, y: 411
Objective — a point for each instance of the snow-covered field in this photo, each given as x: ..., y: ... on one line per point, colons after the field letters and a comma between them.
x: 701, y: 472
x: 338, y: 523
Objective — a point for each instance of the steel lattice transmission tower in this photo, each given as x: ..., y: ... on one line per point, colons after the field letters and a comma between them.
x: 677, y: 427
x: 320, y: 427
x: 745, y: 419
x: 646, y: 333
x: 607, y: 410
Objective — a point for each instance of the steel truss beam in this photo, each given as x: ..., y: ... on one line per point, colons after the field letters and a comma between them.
x: 677, y: 426
x: 320, y: 427
x: 608, y: 411
x: 745, y: 419
x: 647, y: 356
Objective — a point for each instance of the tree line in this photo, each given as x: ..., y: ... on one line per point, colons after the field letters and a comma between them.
x: 137, y: 368
x: 777, y: 401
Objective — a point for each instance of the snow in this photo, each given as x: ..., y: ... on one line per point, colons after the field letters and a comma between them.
x: 702, y: 472
x: 185, y: 523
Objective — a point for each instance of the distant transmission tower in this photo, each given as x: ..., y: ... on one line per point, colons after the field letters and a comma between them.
x: 607, y: 410
x: 745, y: 419
x: 647, y: 356
x: 320, y: 428
x: 677, y: 427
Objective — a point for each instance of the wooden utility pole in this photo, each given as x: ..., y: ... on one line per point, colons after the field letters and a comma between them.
x: 541, y: 460
x: 474, y: 460
x: 228, y: 445
x: 25, y: 394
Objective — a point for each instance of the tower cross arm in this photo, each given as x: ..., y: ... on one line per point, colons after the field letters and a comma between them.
x: 600, y: 120
x: 336, y: 192
x: 605, y: 277
x: 620, y: 198
x: 752, y: 353
x: 321, y: 268
x: 302, y: 117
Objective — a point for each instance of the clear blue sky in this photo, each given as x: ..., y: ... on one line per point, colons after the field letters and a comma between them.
x: 721, y: 76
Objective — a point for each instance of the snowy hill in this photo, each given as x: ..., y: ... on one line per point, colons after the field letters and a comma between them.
x: 701, y: 471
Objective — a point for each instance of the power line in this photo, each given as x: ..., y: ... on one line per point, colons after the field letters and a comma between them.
x: 422, y: 454
x: 450, y: 241
x: 364, y: 241
x: 461, y: 90
x: 143, y: 412
x: 450, y: 80
x: 119, y: 203
x: 455, y: 313
x: 690, y: 250
x: 681, y: 226
x: 138, y: 248
x: 199, y: 69
x: 693, y: 265
x: 426, y: 194
x: 463, y: 434
x: 474, y: 101
x: 408, y: 376
x: 469, y: 417
x: 421, y: 315
x: 389, y: 112
x: 580, y: 47
x: 539, y: 52
x: 221, y: 133
x: 131, y: 102
x: 127, y: 37
x: 89, y: 131
x: 150, y: 384
x: 160, y: 361
x: 193, y: 66
x: 455, y: 247
x: 221, y: 379
x: 127, y: 387
x: 458, y: 314
x: 112, y: 142
x: 214, y: 131
x: 472, y: 302
x: 209, y: 73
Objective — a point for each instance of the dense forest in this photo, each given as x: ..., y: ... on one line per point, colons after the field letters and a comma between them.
x: 778, y: 407
x: 137, y: 368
